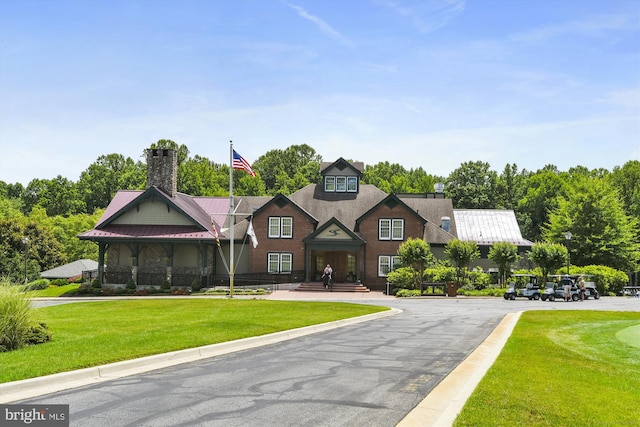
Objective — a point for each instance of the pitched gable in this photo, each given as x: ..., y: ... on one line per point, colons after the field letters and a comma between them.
x: 392, y: 202
x: 342, y: 167
x: 333, y: 231
x: 325, y: 206
x: 433, y: 210
x: 280, y: 200
x: 154, y: 207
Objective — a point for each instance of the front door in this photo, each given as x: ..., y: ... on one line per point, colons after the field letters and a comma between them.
x: 342, y: 263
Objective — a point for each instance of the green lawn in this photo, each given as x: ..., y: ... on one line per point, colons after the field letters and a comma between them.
x: 93, y: 333
x: 565, y: 368
x: 55, y: 291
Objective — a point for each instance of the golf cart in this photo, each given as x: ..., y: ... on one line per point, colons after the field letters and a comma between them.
x: 524, y: 285
x: 555, y: 290
x: 590, y: 290
x: 549, y: 292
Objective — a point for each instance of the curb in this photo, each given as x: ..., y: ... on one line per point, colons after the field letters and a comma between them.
x: 32, y: 387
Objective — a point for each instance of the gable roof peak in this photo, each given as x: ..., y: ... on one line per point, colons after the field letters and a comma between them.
x: 341, y: 164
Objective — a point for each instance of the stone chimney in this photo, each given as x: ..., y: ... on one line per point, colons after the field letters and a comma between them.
x: 162, y: 170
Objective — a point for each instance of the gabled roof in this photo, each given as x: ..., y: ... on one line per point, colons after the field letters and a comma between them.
x: 488, y: 226
x: 433, y: 210
x: 281, y: 200
x: 334, y: 222
x: 124, y: 201
x: 345, y: 207
x: 391, y: 200
x: 342, y: 164
x: 199, y: 213
x: 72, y: 269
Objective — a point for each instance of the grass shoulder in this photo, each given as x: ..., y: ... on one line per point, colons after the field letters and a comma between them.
x: 562, y: 368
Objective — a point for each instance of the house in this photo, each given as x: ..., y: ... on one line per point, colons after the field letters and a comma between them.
x: 72, y: 270
x: 159, y: 236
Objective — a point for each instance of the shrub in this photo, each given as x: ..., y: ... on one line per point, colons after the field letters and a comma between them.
x: 37, y: 285
x: 401, y: 278
x: 131, y: 284
x: 440, y: 274
x: 59, y: 282
x: 16, y: 324
x: 479, y: 279
x: 404, y: 293
x: 195, y: 285
x: 608, y: 280
x: 38, y: 334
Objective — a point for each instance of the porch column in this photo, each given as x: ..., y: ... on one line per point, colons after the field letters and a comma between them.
x: 135, y: 252
x: 102, y: 247
x: 169, y: 263
x: 204, y: 255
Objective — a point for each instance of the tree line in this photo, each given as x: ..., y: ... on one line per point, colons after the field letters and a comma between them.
x: 601, y: 208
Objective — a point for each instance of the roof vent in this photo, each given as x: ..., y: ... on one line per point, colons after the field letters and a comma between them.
x: 438, y: 187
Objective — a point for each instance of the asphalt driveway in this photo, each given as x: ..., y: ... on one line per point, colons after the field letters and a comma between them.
x: 368, y: 374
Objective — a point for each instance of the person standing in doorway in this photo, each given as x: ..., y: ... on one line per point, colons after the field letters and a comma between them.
x: 326, y: 275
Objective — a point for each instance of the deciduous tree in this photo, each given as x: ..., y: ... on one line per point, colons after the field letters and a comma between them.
x: 461, y: 254
x: 416, y: 254
x: 504, y: 255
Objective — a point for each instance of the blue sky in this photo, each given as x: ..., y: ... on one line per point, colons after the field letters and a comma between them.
x: 425, y: 83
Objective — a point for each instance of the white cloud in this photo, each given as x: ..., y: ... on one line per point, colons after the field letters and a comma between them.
x: 426, y: 16
x: 322, y: 25
x: 594, y: 27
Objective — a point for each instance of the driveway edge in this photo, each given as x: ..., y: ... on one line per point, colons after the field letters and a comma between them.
x: 32, y: 387
x: 441, y: 407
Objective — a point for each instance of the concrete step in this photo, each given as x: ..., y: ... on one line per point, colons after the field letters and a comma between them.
x: 336, y: 287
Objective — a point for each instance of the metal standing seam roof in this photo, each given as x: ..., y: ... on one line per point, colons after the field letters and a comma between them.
x: 488, y: 226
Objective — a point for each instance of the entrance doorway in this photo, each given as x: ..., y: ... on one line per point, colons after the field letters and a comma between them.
x: 343, y: 264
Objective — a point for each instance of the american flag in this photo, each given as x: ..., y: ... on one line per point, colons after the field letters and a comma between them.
x: 215, y: 232
x: 240, y: 163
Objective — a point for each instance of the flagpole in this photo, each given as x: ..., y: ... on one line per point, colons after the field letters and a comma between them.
x: 232, y: 219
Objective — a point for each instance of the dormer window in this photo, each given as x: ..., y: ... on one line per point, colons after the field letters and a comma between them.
x: 352, y: 184
x: 329, y: 184
x: 341, y: 184
x: 342, y: 176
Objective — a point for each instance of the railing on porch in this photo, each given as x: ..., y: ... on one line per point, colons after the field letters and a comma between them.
x: 187, y: 280
x: 258, y: 279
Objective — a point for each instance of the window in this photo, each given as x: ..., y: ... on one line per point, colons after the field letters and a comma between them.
x: 341, y: 184
x: 352, y: 184
x: 286, y: 229
x: 278, y: 262
x: 330, y: 183
x: 387, y: 263
x: 280, y: 227
x: 391, y: 229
